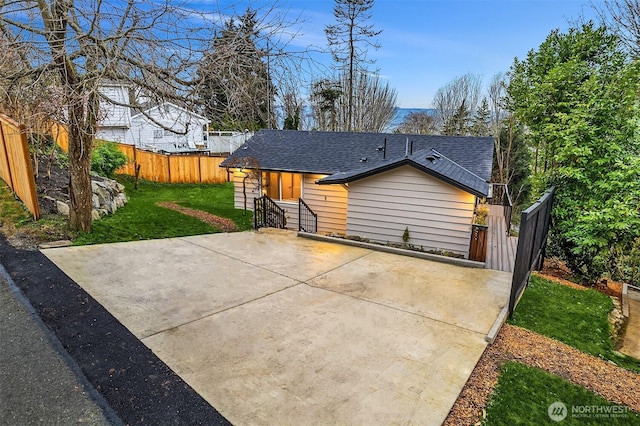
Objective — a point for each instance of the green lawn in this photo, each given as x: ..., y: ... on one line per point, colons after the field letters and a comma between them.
x: 12, y: 212
x: 523, y: 395
x: 142, y: 219
x: 578, y: 318
x: 14, y: 218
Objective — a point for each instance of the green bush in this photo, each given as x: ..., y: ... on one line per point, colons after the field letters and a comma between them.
x: 107, y: 158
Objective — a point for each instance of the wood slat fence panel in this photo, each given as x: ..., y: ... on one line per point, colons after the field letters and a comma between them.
x: 193, y: 168
x: 15, y: 163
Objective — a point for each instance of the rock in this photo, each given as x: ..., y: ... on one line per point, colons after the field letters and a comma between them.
x: 63, y: 208
x: 108, y: 196
x: 56, y: 244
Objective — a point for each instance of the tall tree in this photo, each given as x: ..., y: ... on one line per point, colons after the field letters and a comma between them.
x: 418, y: 123
x: 481, y: 121
x: 236, y: 88
x: 578, y: 96
x: 325, y: 94
x: 83, y: 43
x: 623, y: 18
x: 373, y: 104
x: 349, y: 40
x: 455, y: 101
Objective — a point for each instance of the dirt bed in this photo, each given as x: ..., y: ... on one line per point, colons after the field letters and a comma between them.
x: 225, y: 225
x: 513, y: 343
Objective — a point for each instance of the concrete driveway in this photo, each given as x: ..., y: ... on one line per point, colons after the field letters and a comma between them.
x: 275, y: 329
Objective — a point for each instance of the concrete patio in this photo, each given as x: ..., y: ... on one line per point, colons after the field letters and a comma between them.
x: 274, y: 329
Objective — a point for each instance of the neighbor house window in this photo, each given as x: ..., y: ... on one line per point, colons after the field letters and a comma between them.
x: 157, y: 134
x: 281, y: 186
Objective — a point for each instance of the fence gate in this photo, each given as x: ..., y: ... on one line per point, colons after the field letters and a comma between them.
x: 267, y: 214
x: 532, y: 241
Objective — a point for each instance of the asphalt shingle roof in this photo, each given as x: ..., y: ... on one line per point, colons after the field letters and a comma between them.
x: 462, y: 161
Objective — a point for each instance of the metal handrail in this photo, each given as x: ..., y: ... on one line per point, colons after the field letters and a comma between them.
x: 503, y: 200
x: 303, y: 207
x: 268, y: 214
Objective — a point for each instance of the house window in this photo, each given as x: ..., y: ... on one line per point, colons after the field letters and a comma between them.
x: 281, y: 186
x: 157, y: 134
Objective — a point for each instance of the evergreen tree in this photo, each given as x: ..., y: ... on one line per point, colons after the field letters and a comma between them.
x: 349, y: 40
x: 236, y: 87
x: 482, y: 120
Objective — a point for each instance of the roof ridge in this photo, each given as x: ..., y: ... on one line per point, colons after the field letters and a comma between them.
x: 459, y: 165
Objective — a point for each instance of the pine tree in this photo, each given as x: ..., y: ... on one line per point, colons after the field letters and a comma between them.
x: 237, y: 90
x: 349, y: 40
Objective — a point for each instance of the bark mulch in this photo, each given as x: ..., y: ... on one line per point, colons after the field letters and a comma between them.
x: 513, y: 343
x: 225, y: 225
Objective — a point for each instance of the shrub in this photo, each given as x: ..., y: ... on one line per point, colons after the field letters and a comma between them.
x: 107, y: 158
x: 482, y: 211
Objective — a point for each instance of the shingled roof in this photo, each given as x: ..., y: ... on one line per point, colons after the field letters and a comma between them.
x: 464, y: 162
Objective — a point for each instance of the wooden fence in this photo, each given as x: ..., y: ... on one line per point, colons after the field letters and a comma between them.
x: 15, y: 163
x: 183, y: 168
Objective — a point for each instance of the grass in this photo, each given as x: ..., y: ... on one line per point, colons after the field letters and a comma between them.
x: 523, y: 395
x: 12, y: 212
x: 142, y: 219
x: 15, y: 218
x: 578, y: 318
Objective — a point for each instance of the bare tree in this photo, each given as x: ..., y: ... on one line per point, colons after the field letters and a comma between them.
x: 418, y: 123
x: 457, y: 100
x: 155, y: 47
x: 623, y: 18
x: 349, y: 40
x: 373, y: 104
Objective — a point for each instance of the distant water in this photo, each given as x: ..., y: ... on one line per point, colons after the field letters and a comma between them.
x: 401, y: 113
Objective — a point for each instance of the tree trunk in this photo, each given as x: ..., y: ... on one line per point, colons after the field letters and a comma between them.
x: 80, y: 194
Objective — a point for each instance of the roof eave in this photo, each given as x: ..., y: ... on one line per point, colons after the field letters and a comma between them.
x: 399, y: 163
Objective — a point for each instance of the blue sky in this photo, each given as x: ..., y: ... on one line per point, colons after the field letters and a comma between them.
x: 427, y: 43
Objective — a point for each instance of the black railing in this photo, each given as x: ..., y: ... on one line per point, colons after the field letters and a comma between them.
x: 307, y: 219
x: 532, y: 242
x: 267, y: 214
x: 502, y: 198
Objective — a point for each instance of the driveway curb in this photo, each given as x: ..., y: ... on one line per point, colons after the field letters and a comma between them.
x: 395, y: 250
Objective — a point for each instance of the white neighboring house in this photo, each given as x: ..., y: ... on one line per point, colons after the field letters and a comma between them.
x: 114, y: 119
x: 167, y: 126
x: 150, y: 129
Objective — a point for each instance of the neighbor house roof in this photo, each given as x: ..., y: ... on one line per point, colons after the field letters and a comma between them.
x: 168, y: 105
x: 464, y: 162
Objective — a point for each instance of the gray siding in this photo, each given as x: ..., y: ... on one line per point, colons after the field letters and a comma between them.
x: 329, y: 202
x: 253, y: 191
x: 437, y: 214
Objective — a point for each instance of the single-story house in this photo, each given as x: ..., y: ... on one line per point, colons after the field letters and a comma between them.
x: 370, y: 185
x: 167, y: 126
